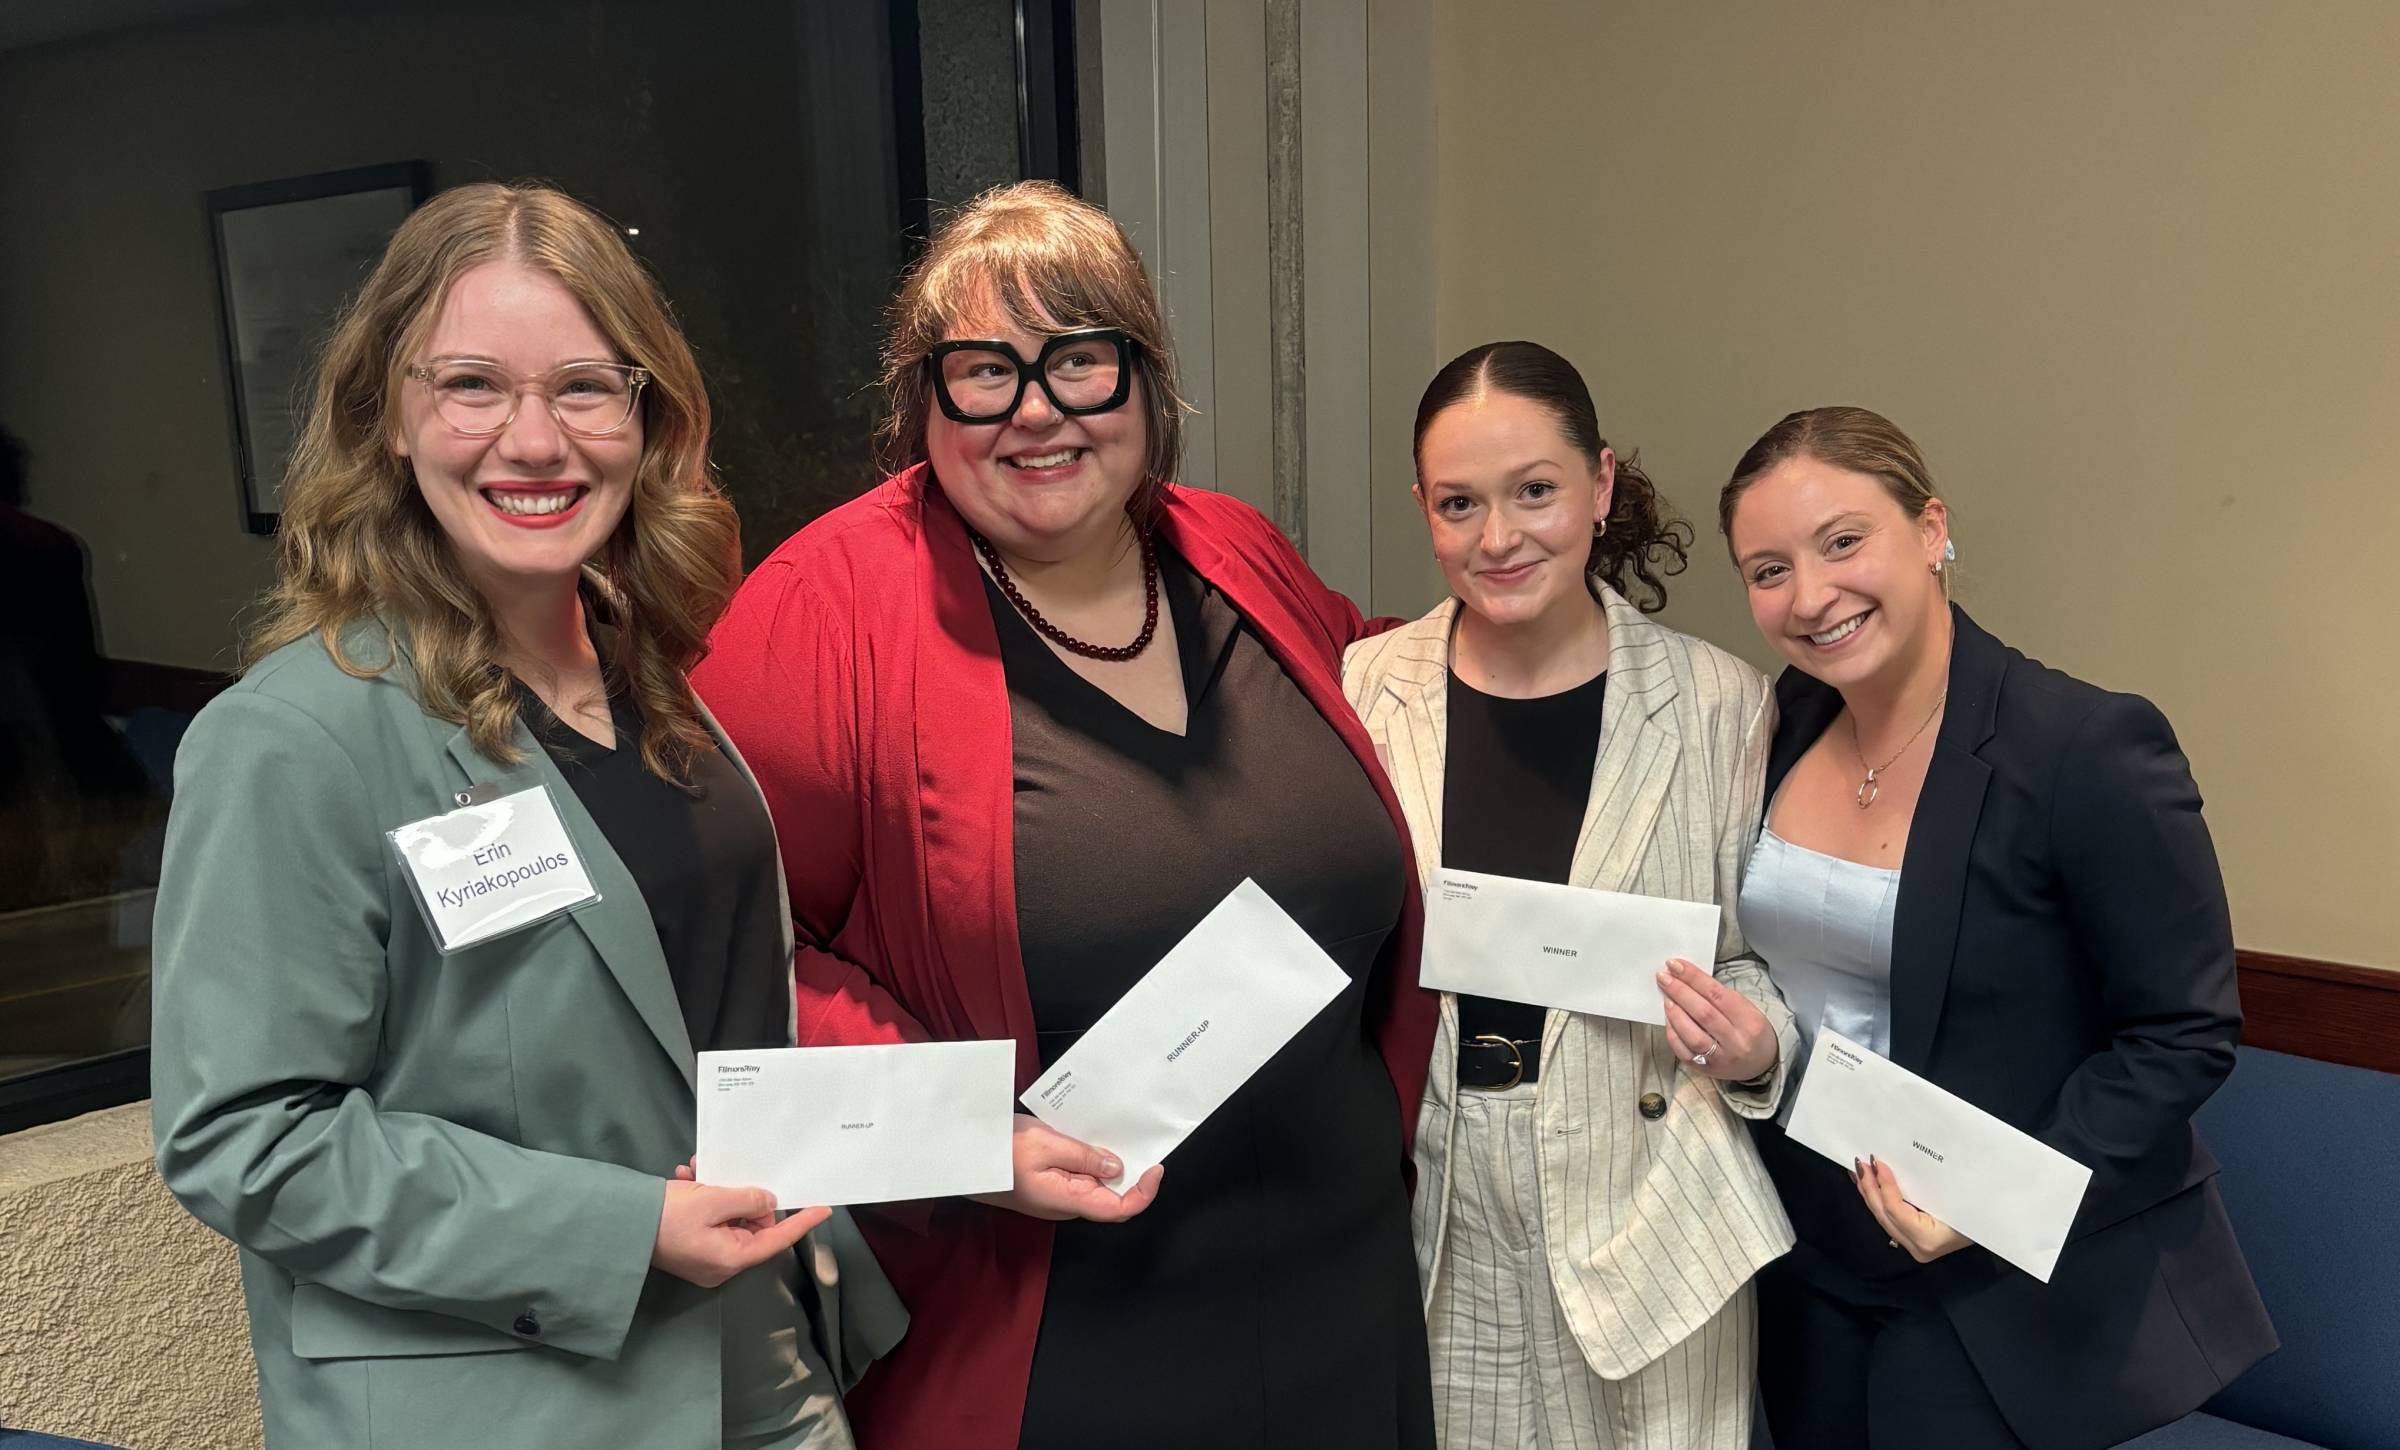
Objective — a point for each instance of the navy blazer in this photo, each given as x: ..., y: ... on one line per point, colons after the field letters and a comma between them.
x: 2062, y: 957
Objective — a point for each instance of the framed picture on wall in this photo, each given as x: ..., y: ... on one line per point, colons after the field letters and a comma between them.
x: 287, y: 253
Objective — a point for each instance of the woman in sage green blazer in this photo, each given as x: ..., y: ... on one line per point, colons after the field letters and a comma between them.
x: 452, y: 1176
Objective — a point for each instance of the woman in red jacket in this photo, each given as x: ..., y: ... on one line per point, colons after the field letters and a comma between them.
x: 1024, y: 713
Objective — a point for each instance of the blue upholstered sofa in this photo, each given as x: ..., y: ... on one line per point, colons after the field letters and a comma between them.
x: 2312, y: 1178
x: 2311, y: 1152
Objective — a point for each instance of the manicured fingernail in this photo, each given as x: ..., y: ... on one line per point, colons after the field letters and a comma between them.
x: 1110, y: 1167
x: 1857, y: 1169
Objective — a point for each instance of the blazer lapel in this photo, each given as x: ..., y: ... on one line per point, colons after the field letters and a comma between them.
x: 1638, y: 751
x: 1413, y: 717
x: 1941, y: 840
x: 618, y: 925
x: 1806, y: 706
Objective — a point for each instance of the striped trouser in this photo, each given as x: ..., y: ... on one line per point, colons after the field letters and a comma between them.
x: 1507, y: 1372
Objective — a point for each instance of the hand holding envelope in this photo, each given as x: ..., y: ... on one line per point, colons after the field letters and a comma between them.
x: 1060, y: 1178
x: 1716, y: 1031
x: 707, y: 1234
x: 1905, y: 1225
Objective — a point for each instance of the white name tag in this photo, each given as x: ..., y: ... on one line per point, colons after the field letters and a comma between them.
x: 493, y: 866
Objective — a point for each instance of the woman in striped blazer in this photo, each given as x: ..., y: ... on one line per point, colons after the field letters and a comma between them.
x: 1589, y: 1209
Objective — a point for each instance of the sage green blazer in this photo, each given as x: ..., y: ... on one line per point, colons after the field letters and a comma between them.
x: 444, y: 1173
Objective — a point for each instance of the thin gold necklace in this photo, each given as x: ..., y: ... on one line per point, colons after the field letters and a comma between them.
x: 1868, y: 789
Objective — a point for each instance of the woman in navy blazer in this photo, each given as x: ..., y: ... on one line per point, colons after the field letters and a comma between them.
x: 2053, y: 946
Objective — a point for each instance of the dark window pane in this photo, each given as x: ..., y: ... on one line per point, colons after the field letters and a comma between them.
x: 752, y: 151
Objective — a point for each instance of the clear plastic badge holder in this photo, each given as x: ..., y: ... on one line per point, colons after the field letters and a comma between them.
x: 495, y: 865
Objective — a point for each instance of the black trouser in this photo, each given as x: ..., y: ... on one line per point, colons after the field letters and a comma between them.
x: 1876, y: 1370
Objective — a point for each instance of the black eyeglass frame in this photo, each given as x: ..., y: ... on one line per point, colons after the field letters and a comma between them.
x: 1034, y: 372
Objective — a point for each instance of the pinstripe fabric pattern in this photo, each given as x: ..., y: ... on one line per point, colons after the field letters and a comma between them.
x: 1507, y: 1372
x: 1650, y: 1226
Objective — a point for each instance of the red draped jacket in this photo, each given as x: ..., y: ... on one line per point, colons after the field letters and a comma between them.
x: 859, y: 672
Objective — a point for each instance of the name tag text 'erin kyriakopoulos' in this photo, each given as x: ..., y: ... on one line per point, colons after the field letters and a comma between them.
x: 492, y: 866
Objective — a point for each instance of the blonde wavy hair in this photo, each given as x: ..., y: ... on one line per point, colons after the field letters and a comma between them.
x: 359, y: 546
x: 1053, y: 263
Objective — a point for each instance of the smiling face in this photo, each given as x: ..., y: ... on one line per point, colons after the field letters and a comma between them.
x: 1039, y: 484
x: 1840, y: 579
x: 533, y: 501
x: 1511, y: 502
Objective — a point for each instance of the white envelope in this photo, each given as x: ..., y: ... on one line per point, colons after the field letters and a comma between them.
x: 1597, y: 952
x: 1227, y: 998
x: 840, y: 1125
x: 2006, y: 1190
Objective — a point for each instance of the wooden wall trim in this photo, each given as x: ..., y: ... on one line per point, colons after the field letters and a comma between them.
x: 2325, y: 1010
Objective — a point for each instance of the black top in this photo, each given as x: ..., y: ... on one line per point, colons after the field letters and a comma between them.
x: 1269, y: 1297
x: 2062, y: 957
x: 705, y: 862
x: 1514, y: 784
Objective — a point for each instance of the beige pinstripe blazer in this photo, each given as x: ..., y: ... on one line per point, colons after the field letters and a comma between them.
x: 1651, y: 1225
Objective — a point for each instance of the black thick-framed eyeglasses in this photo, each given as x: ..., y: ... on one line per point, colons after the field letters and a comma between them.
x: 983, y: 380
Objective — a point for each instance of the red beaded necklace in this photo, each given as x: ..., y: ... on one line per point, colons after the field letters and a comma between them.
x: 1064, y: 640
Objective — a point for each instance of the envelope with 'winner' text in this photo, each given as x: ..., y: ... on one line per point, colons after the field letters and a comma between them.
x: 2005, y: 1189
x: 1597, y: 952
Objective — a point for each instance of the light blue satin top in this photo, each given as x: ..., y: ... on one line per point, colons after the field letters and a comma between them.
x: 1824, y: 927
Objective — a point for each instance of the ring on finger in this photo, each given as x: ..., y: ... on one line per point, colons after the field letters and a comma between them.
x: 1700, y: 1058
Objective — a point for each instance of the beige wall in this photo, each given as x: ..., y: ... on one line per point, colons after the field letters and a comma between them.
x: 2127, y: 271
x: 120, y: 1316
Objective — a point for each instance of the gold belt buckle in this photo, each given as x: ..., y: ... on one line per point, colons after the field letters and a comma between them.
x: 1516, y: 1056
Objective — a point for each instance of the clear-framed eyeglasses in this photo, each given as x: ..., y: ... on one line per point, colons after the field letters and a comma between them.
x: 479, y: 398
x: 979, y: 380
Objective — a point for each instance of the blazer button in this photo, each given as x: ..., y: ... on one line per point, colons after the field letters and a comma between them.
x: 528, y: 1325
x: 1653, y: 1106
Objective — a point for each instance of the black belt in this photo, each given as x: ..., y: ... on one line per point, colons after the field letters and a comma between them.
x: 1493, y: 1061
